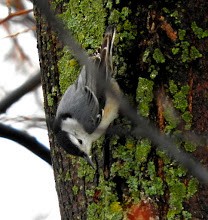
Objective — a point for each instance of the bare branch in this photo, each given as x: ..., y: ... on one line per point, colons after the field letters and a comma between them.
x: 64, y: 35
x: 20, y: 32
x: 15, y: 14
x: 29, y: 121
x: 143, y: 127
x: 27, y: 141
x: 15, y: 95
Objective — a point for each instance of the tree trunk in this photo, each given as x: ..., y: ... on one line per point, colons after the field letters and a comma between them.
x: 161, y: 64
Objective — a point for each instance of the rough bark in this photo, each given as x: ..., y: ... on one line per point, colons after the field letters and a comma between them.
x: 161, y: 64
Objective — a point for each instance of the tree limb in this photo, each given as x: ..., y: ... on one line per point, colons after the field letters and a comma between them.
x: 18, y: 13
x: 15, y: 95
x: 143, y: 127
x: 27, y: 141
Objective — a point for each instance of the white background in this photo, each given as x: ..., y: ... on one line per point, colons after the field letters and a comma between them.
x: 27, y: 188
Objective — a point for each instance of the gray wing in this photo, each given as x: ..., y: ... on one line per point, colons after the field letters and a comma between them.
x: 85, y: 99
x: 80, y: 103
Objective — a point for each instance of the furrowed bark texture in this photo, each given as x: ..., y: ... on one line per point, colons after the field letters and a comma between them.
x: 161, y: 64
x: 71, y: 207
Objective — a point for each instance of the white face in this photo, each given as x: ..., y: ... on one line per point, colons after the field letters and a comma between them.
x: 77, y: 134
x: 75, y: 140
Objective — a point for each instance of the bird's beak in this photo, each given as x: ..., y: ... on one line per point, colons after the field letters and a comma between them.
x: 89, y: 160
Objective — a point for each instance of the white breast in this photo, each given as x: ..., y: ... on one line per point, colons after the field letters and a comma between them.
x: 110, y: 112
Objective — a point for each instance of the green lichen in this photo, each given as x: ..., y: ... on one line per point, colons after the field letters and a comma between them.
x: 192, y: 187
x: 51, y: 96
x: 146, y: 55
x: 177, y: 190
x: 189, y: 147
x: 143, y: 148
x: 125, y: 12
x: 50, y: 100
x: 153, y: 186
x: 133, y: 183
x: 154, y: 71
x: 82, y: 18
x: 187, y: 215
x: 173, y: 87
x: 109, y: 4
x: 98, y: 211
x: 108, y: 206
x: 130, y: 158
x: 68, y: 69
x: 171, y: 119
x: 88, y: 28
x: 90, y: 192
x: 179, y: 96
x: 122, y: 169
x: 75, y: 189
x: 187, y: 117
x: 85, y: 170
x: 116, y: 207
x: 144, y: 95
x: 164, y: 157
x: 188, y: 52
x: 177, y: 114
x: 158, y: 56
x: 180, y: 101
x: 199, y: 32
x: 123, y: 152
x: 194, y: 53
x: 166, y: 10
x: 185, y: 51
x: 67, y: 176
x: 126, y: 29
x: 117, y: 15
x: 177, y: 195
x: 175, y: 50
x: 99, y: 147
x: 181, y: 34
x: 126, y: 34
x: 175, y: 14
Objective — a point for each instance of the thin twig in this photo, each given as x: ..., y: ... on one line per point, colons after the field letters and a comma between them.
x: 20, y: 32
x: 27, y: 141
x: 15, y: 14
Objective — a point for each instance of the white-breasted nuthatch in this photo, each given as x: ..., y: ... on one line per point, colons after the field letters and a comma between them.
x: 87, y: 108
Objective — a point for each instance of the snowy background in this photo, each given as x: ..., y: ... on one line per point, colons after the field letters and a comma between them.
x: 27, y: 188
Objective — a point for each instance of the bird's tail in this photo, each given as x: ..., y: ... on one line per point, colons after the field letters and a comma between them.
x: 106, y: 49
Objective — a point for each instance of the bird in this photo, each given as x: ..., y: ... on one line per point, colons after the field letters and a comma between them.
x: 89, y: 105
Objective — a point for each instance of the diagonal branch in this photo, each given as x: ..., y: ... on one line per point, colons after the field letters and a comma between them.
x: 143, y: 128
x: 15, y: 95
x: 163, y: 142
x: 27, y: 141
x: 64, y: 35
x: 15, y: 14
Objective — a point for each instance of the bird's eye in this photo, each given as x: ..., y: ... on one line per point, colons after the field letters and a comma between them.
x: 80, y: 141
